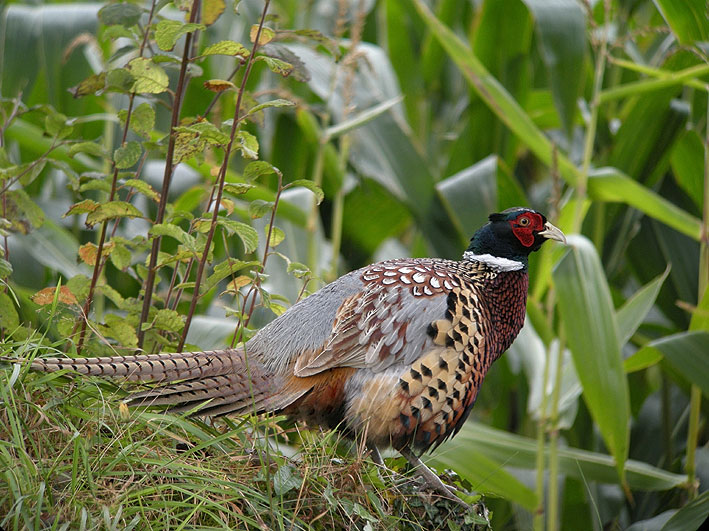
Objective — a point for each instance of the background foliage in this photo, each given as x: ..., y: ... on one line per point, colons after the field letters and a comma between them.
x: 354, y: 131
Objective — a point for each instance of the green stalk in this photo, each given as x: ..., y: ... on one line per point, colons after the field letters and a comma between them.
x: 696, y: 393
x: 541, y: 439
x: 582, y: 184
x: 553, y: 496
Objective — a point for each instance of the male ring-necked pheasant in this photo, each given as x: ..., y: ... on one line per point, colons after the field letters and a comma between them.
x: 395, y: 351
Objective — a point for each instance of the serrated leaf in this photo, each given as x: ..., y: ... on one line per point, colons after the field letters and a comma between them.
x: 247, y: 233
x: 46, y: 296
x: 22, y: 212
x: 207, y: 132
x: 277, y: 236
x: 286, y: 479
x: 277, y: 66
x: 238, y: 188
x: 143, y: 187
x: 258, y: 168
x: 143, y: 119
x: 248, y: 144
x: 79, y: 285
x: 56, y: 124
x: 271, y: 103
x: 121, y: 79
x: 298, y: 270
x: 88, y: 253
x: 310, y: 185
x: 219, y: 85
x: 173, y: 231
x: 225, y: 269
x: 91, y: 85
x: 226, y: 48
x: 267, y: 34
x: 166, y: 319
x: 122, y: 13
x: 118, y: 328
x: 168, y: 31
x: 5, y: 269
x: 259, y: 208
x: 148, y: 77
x: 112, y: 210
x: 120, y: 257
x: 127, y: 155
x: 90, y: 148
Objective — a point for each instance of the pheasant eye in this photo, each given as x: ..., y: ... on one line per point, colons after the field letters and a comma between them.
x: 523, y: 222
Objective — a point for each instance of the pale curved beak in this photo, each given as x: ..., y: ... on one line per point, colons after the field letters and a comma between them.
x: 551, y: 232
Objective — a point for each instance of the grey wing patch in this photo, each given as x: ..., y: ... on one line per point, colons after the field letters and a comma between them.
x: 377, y: 328
x: 305, y: 327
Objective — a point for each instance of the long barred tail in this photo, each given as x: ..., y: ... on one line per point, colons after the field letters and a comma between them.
x: 149, y: 367
x: 215, y: 382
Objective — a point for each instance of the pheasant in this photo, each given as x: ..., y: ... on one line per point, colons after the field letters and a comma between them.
x: 394, y: 352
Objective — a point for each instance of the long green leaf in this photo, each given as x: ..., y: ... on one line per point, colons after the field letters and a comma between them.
x: 516, y: 451
x: 688, y: 19
x: 591, y: 331
x: 691, y: 516
x: 686, y: 352
x: 561, y: 26
x: 611, y: 185
x: 489, y: 476
x: 633, y: 312
x: 495, y: 96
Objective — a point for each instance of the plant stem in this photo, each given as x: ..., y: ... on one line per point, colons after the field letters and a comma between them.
x: 553, y: 494
x: 220, y: 182
x: 696, y: 393
x: 541, y: 436
x: 582, y: 184
x: 167, y: 177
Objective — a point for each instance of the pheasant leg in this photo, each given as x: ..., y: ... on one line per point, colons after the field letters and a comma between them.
x: 431, y: 477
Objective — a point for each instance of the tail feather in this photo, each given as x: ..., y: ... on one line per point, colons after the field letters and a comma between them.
x: 220, y: 380
x: 149, y: 367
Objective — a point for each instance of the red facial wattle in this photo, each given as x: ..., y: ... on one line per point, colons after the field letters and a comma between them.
x: 525, y: 225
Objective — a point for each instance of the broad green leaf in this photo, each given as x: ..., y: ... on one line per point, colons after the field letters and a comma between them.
x: 516, y: 451
x: 22, y: 211
x: 686, y: 352
x: 122, y: 13
x: 148, y: 77
x: 127, y: 155
x: 277, y: 66
x: 692, y: 516
x: 687, y: 162
x: 470, y: 195
x: 587, y: 314
x: 688, y: 19
x: 142, y: 187
x: 92, y: 148
x: 248, y: 144
x: 238, y: 188
x: 120, y: 257
x: 286, y: 479
x: 489, y: 476
x: 119, y: 328
x: 280, y: 102
x: 176, y: 232
x: 170, y: 320
x: 112, y: 210
x: 168, y: 31
x: 90, y: 85
x: 142, y: 121
x: 247, y: 233
x: 259, y: 208
x: 224, y: 269
x: 631, y: 315
x: 360, y: 119
x: 609, y: 184
x: 310, y: 185
x: 5, y: 268
x: 56, y: 124
x: 277, y: 236
x: 226, y: 48
x: 258, y: 168
x: 561, y: 27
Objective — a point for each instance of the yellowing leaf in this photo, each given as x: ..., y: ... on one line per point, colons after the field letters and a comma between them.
x: 126, y: 156
x: 219, y: 85
x: 88, y: 253
x: 226, y: 48
x: 111, y: 210
x: 82, y: 207
x: 212, y: 10
x: 267, y: 34
x: 46, y: 296
x: 149, y: 78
